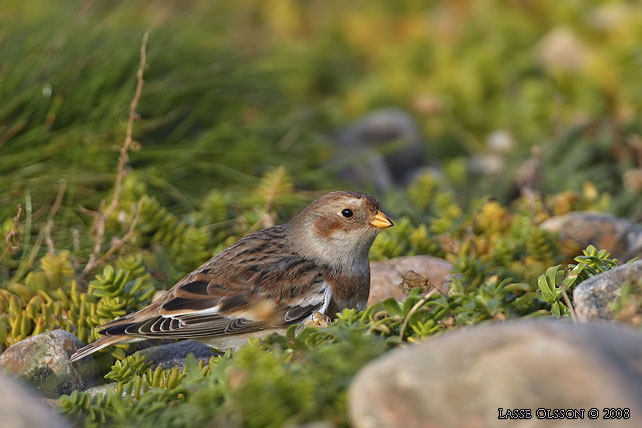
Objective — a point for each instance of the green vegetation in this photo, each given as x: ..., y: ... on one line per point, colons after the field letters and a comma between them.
x: 233, y: 135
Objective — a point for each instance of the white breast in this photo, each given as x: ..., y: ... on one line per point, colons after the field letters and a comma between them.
x: 327, y: 296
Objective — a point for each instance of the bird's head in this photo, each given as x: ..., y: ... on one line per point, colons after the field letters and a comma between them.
x: 338, y: 228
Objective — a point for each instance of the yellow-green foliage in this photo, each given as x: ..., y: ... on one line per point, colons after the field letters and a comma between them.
x: 274, y: 187
x: 497, y: 251
x: 134, y: 376
x: 214, y: 208
x: 186, y: 245
x: 50, y: 298
x: 492, y: 239
x: 405, y: 239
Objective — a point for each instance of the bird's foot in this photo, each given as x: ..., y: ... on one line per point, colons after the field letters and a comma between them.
x: 317, y: 320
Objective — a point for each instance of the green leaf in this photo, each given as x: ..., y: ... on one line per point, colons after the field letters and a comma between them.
x: 569, y: 281
x: 455, y: 286
x: 192, y: 370
x: 551, y: 275
x: 555, y: 309
x: 547, y: 293
x: 393, y: 307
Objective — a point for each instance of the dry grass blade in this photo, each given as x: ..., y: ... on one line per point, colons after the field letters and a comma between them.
x: 100, y: 217
x: 52, y: 215
x: 12, y: 132
x: 571, y: 309
x: 274, y: 184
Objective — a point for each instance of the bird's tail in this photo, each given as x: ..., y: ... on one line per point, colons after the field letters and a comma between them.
x: 95, y: 346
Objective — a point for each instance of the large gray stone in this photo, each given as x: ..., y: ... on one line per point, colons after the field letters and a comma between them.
x: 579, y: 229
x: 102, y: 389
x: 20, y: 408
x: 174, y: 354
x: 462, y: 378
x: 110, y: 387
x: 381, y: 148
x: 43, y: 362
x: 594, y: 297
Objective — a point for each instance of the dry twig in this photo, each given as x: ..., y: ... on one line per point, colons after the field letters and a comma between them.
x: 412, y: 311
x: 52, y: 215
x: 412, y: 279
x: 119, y: 242
x: 100, y: 217
x: 571, y: 309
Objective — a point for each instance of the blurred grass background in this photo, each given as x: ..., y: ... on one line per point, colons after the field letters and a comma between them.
x: 234, y: 90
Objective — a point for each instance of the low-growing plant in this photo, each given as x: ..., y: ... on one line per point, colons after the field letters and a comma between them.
x: 592, y: 262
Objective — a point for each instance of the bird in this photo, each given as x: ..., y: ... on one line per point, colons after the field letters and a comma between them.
x: 282, y: 275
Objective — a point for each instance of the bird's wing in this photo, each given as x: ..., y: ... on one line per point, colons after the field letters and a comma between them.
x: 252, y: 285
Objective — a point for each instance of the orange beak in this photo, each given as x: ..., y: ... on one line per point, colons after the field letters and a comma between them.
x: 381, y: 221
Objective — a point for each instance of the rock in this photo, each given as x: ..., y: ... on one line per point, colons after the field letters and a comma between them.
x: 462, y: 378
x: 112, y: 387
x: 20, y: 408
x: 383, y: 147
x: 562, y: 50
x: 174, y: 354
x: 593, y: 297
x: 43, y: 362
x: 101, y: 389
x: 491, y: 164
x: 622, y: 238
x: 52, y: 403
x: 386, y: 276
x: 500, y: 141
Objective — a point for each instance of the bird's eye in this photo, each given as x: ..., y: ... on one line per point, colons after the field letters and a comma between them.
x: 347, y: 213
